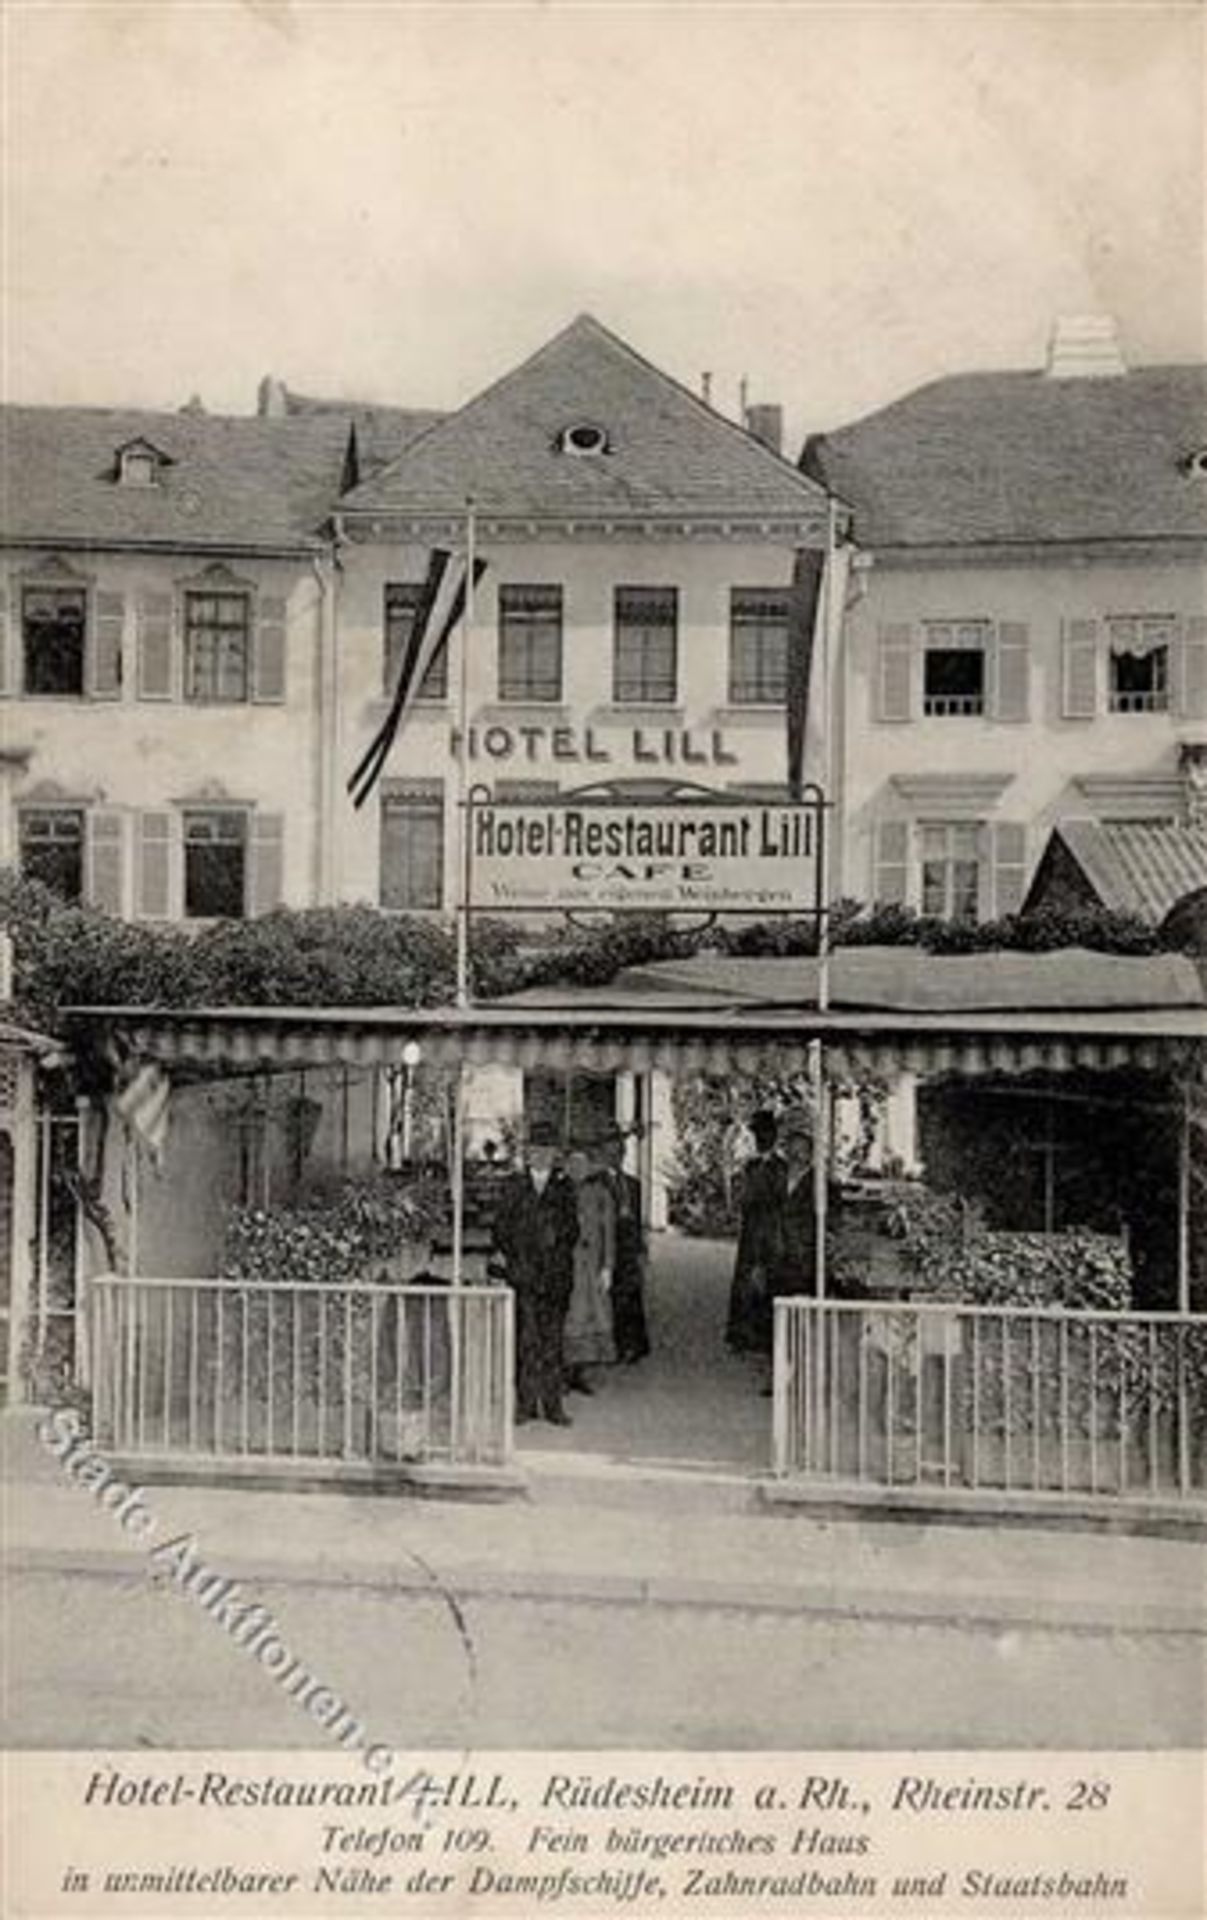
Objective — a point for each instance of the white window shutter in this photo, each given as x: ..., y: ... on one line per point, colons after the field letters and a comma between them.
x: 895, y: 673
x: 1009, y: 847
x: 155, y: 674
x: 105, y: 852
x: 1193, y: 703
x: 267, y: 862
x: 1012, y: 678
x: 7, y: 676
x: 892, y: 863
x: 1079, y: 669
x: 158, y: 834
x: 105, y: 653
x: 268, y: 649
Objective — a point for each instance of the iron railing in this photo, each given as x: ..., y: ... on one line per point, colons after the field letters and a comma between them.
x: 1012, y: 1399
x: 362, y: 1374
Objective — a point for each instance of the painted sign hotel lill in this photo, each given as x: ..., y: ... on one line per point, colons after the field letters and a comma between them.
x: 711, y: 856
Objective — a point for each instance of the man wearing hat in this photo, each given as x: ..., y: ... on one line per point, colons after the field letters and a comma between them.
x: 535, y: 1231
x: 748, y: 1328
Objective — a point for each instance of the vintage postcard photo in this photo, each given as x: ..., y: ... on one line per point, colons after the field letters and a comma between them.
x: 603, y: 958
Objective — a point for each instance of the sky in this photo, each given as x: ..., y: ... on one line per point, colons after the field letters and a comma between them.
x: 834, y: 202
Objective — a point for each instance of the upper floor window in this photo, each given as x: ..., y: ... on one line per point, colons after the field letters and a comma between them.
x: 411, y: 859
x: 215, y: 864
x: 758, y: 647
x: 954, y: 666
x: 403, y: 599
x: 1139, y: 663
x: 530, y: 643
x: 644, y: 666
x: 217, y: 646
x: 138, y: 467
x: 54, y: 622
x: 51, y: 848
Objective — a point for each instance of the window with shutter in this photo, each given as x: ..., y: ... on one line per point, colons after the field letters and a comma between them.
x: 403, y: 600
x: 1194, y: 669
x: 105, y: 676
x: 950, y: 857
x: 268, y: 652
x: 6, y: 675
x: 1009, y: 866
x: 215, y: 864
x: 894, y: 673
x: 217, y: 646
x: 411, y: 859
x: 155, y: 672
x: 154, y: 890
x: 51, y: 848
x: 645, y: 646
x: 1079, y: 669
x: 955, y: 675
x: 1140, y: 662
x: 530, y: 643
x: 1012, y: 671
x: 758, y: 646
x: 106, y: 860
x: 891, y: 887
x: 54, y: 626
x: 267, y: 861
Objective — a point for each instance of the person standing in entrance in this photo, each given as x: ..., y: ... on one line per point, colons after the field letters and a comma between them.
x: 761, y: 1193
x: 632, y: 1262
x: 588, y: 1335
x: 535, y: 1233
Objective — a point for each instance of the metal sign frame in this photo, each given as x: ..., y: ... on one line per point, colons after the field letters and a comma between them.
x: 652, y: 794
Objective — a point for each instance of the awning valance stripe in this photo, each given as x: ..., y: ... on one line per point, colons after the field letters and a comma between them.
x: 185, y: 1044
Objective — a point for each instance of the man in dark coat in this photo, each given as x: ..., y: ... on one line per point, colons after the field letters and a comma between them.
x: 628, y: 1280
x: 535, y: 1230
x: 763, y: 1178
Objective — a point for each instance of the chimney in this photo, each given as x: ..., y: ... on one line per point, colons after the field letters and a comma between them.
x: 270, y: 398
x: 766, y: 423
x: 706, y: 388
x: 1085, y: 347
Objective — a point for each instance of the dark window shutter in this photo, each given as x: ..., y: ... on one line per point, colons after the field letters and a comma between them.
x: 155, y: 646
x: 6, y: 676
x: 1012, y: 683
x: 1194, y: 669
x: 156, y: 842
x: 267, y: 862
x: 1079, y: 669
x: 268, y: 653
x: 1009, y: 866
x: 892, y: 862
x: 106, y: 860
x: 105, y: 667
x: 895, y: 673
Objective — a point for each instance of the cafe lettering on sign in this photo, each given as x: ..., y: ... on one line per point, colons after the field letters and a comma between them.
x: 604, y: 853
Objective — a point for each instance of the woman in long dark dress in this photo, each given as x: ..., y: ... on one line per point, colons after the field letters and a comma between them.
x: 748, y: 1329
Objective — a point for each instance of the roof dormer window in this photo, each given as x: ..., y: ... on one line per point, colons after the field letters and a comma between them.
x: 138, y: 464
x: 583, y: 439
x: 1196, y: 463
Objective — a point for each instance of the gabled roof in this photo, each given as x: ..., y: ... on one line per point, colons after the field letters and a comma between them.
x: 233, y: 483
x: 669, y: 452
x: 1137, y: 866
x: 1004, y: 458
x: 382, y: 432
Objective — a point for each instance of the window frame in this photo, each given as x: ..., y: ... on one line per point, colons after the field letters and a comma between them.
x: 1157, y: 699
x: 974, y: 636
x: 626, y: 627
x: 190, y: 595
x: 78, y: 590
x: 241, y: 816
x: 432, y: 690
x: 28, y: 811
x: 748, y: 626
x: 950, y: 859
x: 525, y: 626
x: 425, y: 801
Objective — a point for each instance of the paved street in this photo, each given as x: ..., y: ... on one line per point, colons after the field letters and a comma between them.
x: 100, y: 1659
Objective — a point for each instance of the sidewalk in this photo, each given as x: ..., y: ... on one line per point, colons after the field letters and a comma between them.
x: 567, y: 1542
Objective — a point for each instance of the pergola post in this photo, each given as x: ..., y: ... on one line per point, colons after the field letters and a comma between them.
x: 1184, y: 1132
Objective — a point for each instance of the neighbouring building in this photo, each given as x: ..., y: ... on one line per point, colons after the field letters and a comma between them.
x: 1031, y: 647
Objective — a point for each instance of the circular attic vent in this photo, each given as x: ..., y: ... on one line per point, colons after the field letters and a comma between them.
x: 1196, y: 463
x: 583, y: 438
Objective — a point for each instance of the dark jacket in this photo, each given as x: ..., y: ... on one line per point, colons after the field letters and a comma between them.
x: 535, y: 1234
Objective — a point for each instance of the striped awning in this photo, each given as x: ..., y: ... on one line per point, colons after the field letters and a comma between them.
x: 684, y: 1042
